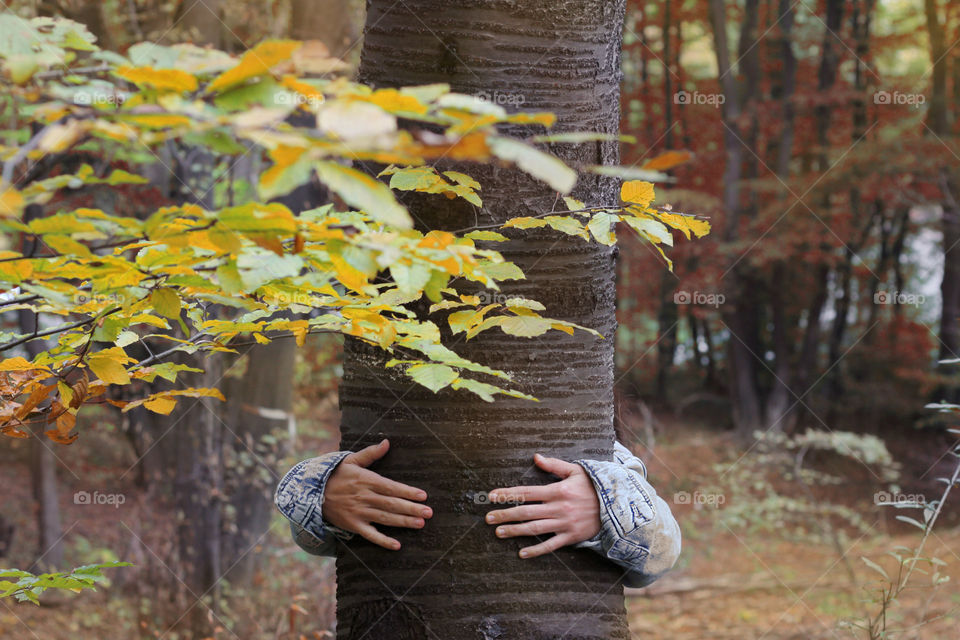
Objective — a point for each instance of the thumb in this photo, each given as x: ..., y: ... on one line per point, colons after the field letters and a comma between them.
x: 555, y: 466
x: 367, y: 456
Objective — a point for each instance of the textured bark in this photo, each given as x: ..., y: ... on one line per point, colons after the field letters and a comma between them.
x: 454, y: 579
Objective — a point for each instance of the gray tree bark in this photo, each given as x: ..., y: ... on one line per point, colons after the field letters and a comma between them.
x: 454, y: 579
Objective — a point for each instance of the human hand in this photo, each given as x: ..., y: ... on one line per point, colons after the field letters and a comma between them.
x: 568, y: 508
x: 356, y: 498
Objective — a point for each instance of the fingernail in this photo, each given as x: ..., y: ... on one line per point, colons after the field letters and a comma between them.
x: 420, y: 522
x: 426, y: 513
x: 490, y: 518
x: 501, y: 531
x: 396, y: 546
x: 523, y: 553
x: 422, y: 495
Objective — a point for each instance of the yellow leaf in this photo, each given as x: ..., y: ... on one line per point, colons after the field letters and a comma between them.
x: 20, y: 364
x: 11, y: 202
x: 666, y: 160
x: 395, y: 102
x: 109, y: 370
x: 637, y: 192
x: 61, y: 136
x: 161, y: 79
x: 160, y: 120
x: 161, y: 405
x: 685, y: 223
x: 108, y: 365
x: 165, y: 302
x: 255, y: 62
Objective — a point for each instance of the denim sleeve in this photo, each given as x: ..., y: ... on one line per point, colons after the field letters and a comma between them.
x: 637, y: 529
x: 299, y: 498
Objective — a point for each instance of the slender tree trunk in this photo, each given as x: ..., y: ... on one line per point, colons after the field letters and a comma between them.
x: 780, y: 406
x: 455, y: 579
x: 740, y: 315
x: 43, y: 463
x: 668, y: 315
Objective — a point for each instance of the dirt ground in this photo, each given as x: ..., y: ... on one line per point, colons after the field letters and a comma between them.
x: 736, y: 582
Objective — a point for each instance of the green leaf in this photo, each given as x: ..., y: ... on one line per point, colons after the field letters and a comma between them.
x: 525, y: 326
x: 491, y: 236
x: 540, y: 165
x: 165, y: 302
x: 576, y: 137
x: 600, y: 226
x: 629, y: 173
x: 363, y: 192
x: 503, y: 271
x: 647, y: 226
x: 873, y: 565
x: 432, y: 376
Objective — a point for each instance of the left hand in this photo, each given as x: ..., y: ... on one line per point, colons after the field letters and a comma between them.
x: 569, y: 508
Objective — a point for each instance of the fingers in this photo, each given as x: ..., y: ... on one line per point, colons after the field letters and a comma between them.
x: 548, y: 546
x: 519, y: 514
x: 533, y: 528
x: 555, y: 466
x: 523, y: 494
x: 399, y: 506
x: 377, y: 538
x: 367, y: 456
x: 394, y: 519
x: 387, y: 487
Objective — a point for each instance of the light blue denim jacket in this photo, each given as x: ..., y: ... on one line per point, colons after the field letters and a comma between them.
x: 637, y: 530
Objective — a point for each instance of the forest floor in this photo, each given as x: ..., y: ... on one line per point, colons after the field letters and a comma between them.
x: 752, y: 566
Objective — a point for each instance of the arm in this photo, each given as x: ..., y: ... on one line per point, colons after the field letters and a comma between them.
x: 637, y: 529
x: 335, y: 496
x: 299, y: 498
x: 606, y: 506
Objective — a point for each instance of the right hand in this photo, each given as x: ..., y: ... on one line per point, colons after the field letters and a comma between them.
x: 356, y: 498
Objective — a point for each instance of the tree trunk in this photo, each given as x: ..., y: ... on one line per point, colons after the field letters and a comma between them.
x: 43, y: 462
x: 336, y: 23
x: 740, y: 315
x: 454, y: 579
x: 200, y: 21
x: 259, y: 406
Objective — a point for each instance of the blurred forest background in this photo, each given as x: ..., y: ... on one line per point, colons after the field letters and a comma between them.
x: 775, y: 381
